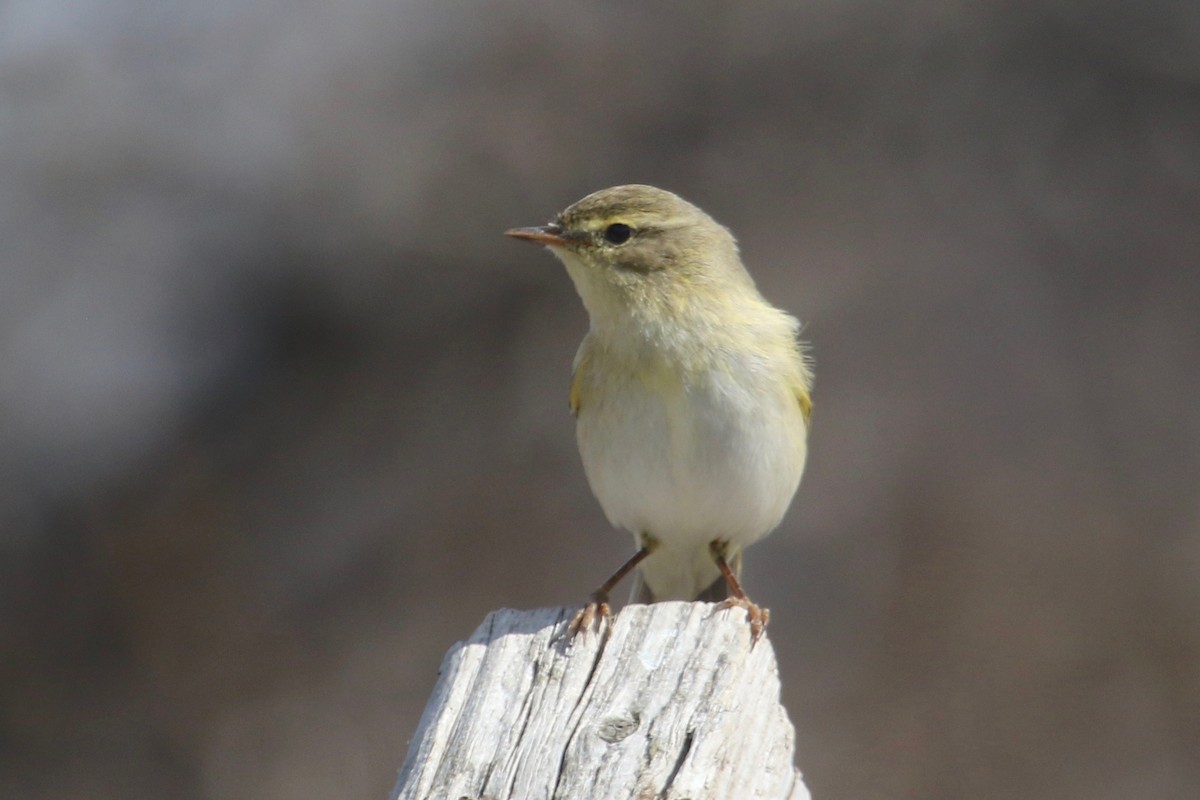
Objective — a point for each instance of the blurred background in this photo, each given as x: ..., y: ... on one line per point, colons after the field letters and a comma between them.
x: 283, y: 415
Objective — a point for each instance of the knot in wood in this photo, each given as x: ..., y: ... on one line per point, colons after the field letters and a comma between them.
x: 614, y: 729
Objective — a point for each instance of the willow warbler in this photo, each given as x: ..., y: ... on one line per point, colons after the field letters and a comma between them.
x: 690, y: 392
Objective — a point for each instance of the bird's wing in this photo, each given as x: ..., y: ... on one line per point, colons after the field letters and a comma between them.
x: 805, y: 400
x: 576, y: 396
x: 802, y: 379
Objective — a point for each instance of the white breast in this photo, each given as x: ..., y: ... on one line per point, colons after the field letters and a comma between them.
x: 716, y: 457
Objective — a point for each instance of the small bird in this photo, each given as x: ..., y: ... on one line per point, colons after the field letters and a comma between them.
x: 690, y: 393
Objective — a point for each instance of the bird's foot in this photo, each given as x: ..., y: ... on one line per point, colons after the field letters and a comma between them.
x: 756, y: 615
x: 591, y: 615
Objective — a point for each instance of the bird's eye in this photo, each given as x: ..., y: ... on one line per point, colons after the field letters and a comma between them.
x: 617, y: 233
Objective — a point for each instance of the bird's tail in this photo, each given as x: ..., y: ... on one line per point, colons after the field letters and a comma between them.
x: 715, y: 592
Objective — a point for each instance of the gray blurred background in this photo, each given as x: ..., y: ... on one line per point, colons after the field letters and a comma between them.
x: 283, y: 415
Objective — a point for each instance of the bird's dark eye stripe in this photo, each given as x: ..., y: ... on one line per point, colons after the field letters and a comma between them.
x: 617, y: 233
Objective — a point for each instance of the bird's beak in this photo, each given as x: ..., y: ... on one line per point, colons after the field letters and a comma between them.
x: 551, y: 234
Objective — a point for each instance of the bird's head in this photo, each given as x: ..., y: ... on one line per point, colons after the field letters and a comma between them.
x: 637, y: 250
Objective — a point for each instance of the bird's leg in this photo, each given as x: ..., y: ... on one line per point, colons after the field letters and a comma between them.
x: 757, y: 616
x: 597, y: 608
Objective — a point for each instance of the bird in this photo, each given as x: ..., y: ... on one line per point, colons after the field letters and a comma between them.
x: 691, y: 394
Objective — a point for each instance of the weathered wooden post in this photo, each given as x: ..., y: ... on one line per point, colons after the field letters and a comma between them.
x: 668, y: 702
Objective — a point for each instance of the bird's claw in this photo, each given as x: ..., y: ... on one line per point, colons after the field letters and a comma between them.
x: 756, y: 615
x: 591, y: 615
